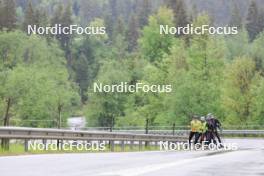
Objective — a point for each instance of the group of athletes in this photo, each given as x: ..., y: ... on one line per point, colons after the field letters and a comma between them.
x: 205, y: 130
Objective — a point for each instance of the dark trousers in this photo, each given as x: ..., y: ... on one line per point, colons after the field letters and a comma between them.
x: 196, y: 136
x: 217, y: 136
x: 210, y: 137
x: 203, y: 137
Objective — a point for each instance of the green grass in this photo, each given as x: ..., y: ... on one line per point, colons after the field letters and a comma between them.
x: 14, y: 149
x: 18, y: 149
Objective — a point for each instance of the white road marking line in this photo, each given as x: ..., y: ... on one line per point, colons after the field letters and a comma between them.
x: 137, y: 171
x: 150, y: 168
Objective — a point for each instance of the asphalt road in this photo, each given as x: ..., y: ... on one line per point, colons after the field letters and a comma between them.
x: 248, y: 160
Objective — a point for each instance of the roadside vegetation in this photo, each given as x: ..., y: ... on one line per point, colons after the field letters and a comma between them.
x: 18, y: 149
x: 45, y: 79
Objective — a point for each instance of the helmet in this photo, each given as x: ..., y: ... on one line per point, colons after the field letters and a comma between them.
x: 209, y: 116
x: 195, y: 117
x: 202, y: 118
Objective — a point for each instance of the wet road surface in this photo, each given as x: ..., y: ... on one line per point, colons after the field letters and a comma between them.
x: 247, y: 160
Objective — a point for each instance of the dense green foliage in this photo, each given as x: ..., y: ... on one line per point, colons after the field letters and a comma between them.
x: 46, y: 79
x: 34, y: 81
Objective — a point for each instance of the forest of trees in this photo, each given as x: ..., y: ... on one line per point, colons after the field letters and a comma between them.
x: 45, y: 78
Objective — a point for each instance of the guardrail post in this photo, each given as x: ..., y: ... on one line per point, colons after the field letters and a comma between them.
x: 26, y: 145
x: 112, y: 123
x: 173, y: 129
x: 100, y: 142
x: 44, y: 141
x: 147, y: 126
x: 131, y: 145
x: 147, y: 130
x: 58, y: 143
x: 156, y: 144
x: 122, y: 146
x: 140, y: 145
x: 112, y: 145
x: 5, y: 144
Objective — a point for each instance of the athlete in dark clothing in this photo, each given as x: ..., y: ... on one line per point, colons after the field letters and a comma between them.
x: 213, y: 125
x: 217, y: 126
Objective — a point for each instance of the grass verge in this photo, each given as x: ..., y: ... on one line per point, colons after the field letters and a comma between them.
x: 18, y: 149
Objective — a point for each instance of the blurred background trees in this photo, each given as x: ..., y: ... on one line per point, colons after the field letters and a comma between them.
x: 46, y: 79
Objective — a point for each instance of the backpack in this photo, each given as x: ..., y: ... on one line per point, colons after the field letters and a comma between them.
x: 211, y: 124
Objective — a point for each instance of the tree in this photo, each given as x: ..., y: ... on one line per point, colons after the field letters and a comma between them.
x: 65, y: 40
x: 89, y: 9
x: 261, y: 20
x: 144, y: 10
x: 1, y: 15
x: 240, y: 78
x: 238, y: 45
x: 34, y: 90
x: 64, y: 17
x: 110, y: 18
x: 150, y: 106
x: 56, y: 18
x: 132, y: 34
x: 114, y: 10
x: 252, y: 21
x: 87, y: 52
x: 40, y: 17
x: 105, y: 107
x: 152, y: 44
x: 119, y: 28
x: 177, y: 102
x: 8, y: 16
x: 29, y: 18
x: 196, y: 76
x: 179, y: 12
x: 9, y: 93
x: 236, y: 19
x: 76, y: 8
x: 22, y: 57
x: 120, y: 48
x: 257, y: 102
x: 199, y: 47
x: 64, y: 97
x: 257, y: 52
x: 181, y: 18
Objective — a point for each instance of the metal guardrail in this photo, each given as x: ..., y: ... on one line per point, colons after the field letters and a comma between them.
x: 243, y: 132
x: 66, y: 134
x: 60, y: 134
x: 45, y: 133
x: 186, y: 132
x: 131, y: 137
x: 171, y: 128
